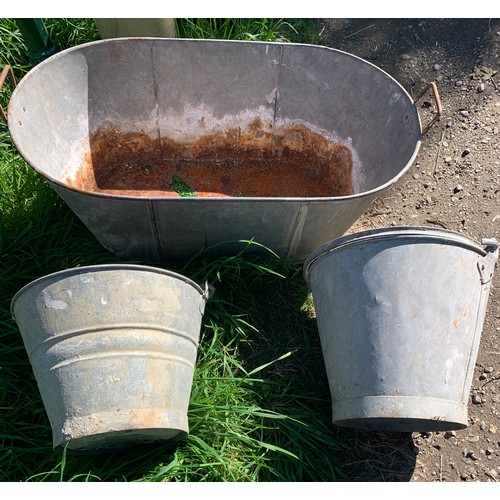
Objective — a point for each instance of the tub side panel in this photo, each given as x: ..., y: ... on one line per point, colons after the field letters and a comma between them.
x: 324, y: 221
x: 48, y: 116
x: 203, y: 88
x: 356, y: 101
x: 123, y: 226
x: 121, y: 86
x: 190, y: 226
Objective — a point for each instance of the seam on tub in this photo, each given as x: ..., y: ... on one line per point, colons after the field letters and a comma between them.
x: 153, y: 219
x: 278, y: 84
x: 155, y: 90
x: 297, y: 228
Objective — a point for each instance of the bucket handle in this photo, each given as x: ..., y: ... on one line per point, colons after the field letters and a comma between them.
x: 6, y: 72
x: 431, y: 86
x: 487, y: 266
x: 208, y: 292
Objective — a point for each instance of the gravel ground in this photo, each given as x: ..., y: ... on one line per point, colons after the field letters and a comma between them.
x: 453, y: 184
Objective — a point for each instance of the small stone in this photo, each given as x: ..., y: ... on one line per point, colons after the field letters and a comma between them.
x: 449, y: 434
x: 488, y: 451
x: 405, y: 57
x: 458, y: 188
x: 465, y: 152
x: 488, y: 369
x: 493, y: 429
x: 454, y: 199
x: 459, y: 83
x: 493, y: 473
x: 436, y: 67
x: 448, y: 159
x: 471, y: 455
x: 416, y: 176
x: 482, y: 376
x: 480, y: 88
x: 464, y: 112
x: 476, y: 399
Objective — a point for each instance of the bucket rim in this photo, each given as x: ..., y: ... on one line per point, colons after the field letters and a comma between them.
x: 74, y: 271
x: 362, y: 194
x: 446, y: 236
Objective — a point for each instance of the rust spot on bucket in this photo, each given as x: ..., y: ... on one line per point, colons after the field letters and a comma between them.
x: 259, y: 161
x: 456, y: 323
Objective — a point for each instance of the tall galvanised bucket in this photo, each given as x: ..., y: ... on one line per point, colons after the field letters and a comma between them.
x: 113, y: 349
x: 400, y: 313
x: 284, y: 143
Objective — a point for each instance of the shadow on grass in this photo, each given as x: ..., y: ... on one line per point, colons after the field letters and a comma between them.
x: 281, y: 355
x: 297, y: 386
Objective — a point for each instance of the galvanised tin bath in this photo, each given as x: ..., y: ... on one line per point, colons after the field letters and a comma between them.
x: 284, y: 143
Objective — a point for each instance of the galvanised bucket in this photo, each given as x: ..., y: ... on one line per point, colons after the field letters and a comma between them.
x: 400, y: 313
x: 113, y: 349
x: 253, y: 128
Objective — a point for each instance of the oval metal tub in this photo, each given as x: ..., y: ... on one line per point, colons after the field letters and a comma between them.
x: 292, y: 142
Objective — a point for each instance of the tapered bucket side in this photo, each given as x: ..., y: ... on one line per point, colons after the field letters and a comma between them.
x: 113, y: 349
x: 400, y: 313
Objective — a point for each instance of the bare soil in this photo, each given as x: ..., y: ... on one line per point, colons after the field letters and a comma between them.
x: 453, y: 184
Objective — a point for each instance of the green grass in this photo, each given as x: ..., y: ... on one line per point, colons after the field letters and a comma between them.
x: 180, y: 187
x: 260, y: 405
x: 262, y: 30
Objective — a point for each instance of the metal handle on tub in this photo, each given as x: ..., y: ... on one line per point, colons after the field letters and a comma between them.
x: 431, y: 86
x: 6, y: 72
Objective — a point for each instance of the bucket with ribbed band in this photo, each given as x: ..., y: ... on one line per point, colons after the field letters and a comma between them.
x: 113, y: 349
x: 400, y: 312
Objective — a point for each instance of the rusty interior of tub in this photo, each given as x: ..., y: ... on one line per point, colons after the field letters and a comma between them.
x: 130, y: 117
x: 258, y: 160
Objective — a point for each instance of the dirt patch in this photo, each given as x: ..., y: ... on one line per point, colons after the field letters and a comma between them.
x: 288, y: 161
x: 454, y: 184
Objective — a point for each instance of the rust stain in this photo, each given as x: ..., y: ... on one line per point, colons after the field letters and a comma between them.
x: 456, y: 323
x: 144, y: 419
x: 259, y: 161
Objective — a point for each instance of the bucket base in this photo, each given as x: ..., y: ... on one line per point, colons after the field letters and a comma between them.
x: 400, y: 414
x: 110, y: 442
x: 114, y: 431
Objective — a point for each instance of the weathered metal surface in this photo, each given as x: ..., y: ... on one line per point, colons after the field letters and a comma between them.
x: 400, y: 313
x: 113, y: 349
x: 290, y: 161
x: 185, y: 92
